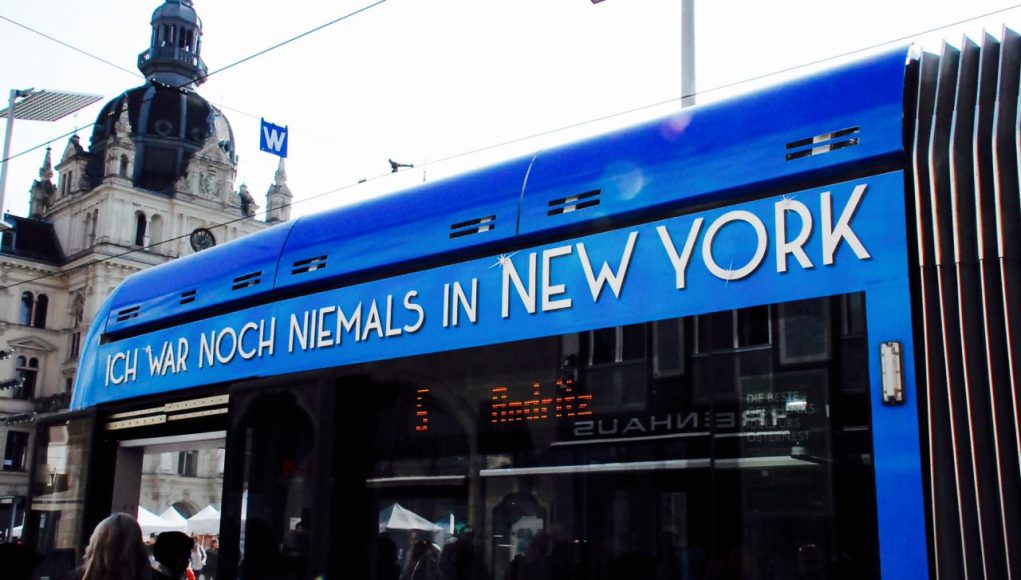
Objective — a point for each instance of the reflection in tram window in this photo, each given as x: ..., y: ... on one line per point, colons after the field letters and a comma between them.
x: 728, y: 445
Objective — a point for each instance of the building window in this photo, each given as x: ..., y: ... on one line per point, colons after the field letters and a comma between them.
x: 87, y: 233
x: 27, y: 369
x: 33, y: 310
x: 27, y: 301
x: 140, y: 225
x: 91, y: 224
x: 16, y: 451
x: 76, y: 343
x: 155, y: 229
x: 39, y: 317
x: 187, y: 463
x: 123, y: 172
x: 78, y: 309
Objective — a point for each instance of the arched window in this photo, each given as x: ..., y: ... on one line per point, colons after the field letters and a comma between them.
x: 140, y: 226
x: 33, y: 310
x: 155, y: 229
x: 27, y: 369
x: 39, y: 316
x: 123, y: 171
x: 78, y: 309
x: 27, y: 301
x: 95, y: 226
x: 85, y: 231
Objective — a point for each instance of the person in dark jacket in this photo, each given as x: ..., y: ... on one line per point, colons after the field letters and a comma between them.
x: 172, y: 554
x: 19, y: 561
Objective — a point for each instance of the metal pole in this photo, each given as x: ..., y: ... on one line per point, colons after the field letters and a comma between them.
x: 7, y: 149
x: 687, y: 53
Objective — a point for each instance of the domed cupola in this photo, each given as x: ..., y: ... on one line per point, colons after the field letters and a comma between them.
x: 161, y: 125
x: 174, y: 54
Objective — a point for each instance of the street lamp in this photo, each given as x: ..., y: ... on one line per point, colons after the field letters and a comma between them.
x: 36, y: 106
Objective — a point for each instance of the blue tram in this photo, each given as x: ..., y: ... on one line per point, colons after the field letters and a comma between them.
x: 767, y: 338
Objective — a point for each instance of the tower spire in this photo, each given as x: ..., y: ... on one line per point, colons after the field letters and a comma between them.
x: 41, y: 194
x: 278, y: 198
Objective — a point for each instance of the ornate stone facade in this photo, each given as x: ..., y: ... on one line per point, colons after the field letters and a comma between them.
x: 126, y: 203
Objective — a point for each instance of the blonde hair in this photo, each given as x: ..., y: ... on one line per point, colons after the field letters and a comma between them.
x: 116, y: 551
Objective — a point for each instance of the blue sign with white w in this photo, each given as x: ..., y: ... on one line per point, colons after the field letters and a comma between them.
x: 273, y: 139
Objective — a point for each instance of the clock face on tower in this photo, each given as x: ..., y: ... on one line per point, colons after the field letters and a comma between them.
x: 202, y: 239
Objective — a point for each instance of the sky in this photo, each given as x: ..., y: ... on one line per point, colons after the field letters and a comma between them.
x: 446, y: 85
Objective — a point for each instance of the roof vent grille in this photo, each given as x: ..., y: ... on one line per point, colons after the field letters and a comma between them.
x: 188, y: 297
x: 247, y: 280
x: 823, y: 143
x: 472, y: 227
x: 129, y: 313
x: 574, y: 203
x: 309, y: 265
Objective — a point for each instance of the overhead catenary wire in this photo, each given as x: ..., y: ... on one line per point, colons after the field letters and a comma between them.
x: 137, y: 75
x: 697, y: 93
x: 182, y: 86
x: 503, y: 143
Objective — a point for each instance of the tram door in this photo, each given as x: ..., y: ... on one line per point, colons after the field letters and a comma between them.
x: 278, y: 479
x: 162, y: 462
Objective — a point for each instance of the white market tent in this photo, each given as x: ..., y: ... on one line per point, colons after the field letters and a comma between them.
x: 153, y: 524
x: 172, y: 515
x: 397, y: 517
x: 206, y: 521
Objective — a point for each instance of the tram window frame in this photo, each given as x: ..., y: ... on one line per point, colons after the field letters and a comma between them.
x: 16, y: 446
x: 702, y: 346
x: 786, y: 313
x: 525, y: 463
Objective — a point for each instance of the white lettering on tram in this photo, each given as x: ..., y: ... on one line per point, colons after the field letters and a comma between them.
x: 510, y: 275
x: 761, y: 238
x: 222, y: 345
x: 832, y: 235
x: 122, y: 367
x: 680, y: 262
x: 795, y: 246
x: 328, y: 325
x: 616, y: 280
x: 455, y: 300
x: 168, y: 360
x: 549, y: 289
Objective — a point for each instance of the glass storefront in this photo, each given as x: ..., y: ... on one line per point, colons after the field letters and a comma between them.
x: 729, y: 445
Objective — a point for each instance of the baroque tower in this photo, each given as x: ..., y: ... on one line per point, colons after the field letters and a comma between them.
x: 155, y: 181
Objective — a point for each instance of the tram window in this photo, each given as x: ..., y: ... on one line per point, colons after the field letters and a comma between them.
x: 752, y: 326
x: 280, y: 484
x: 614, y: 345
x: 604, y: 346
x: 853, y: 314
x: 805, y: 333
x: 502, y: 462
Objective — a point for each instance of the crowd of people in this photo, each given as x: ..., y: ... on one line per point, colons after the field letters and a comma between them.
x: 116, y: 551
